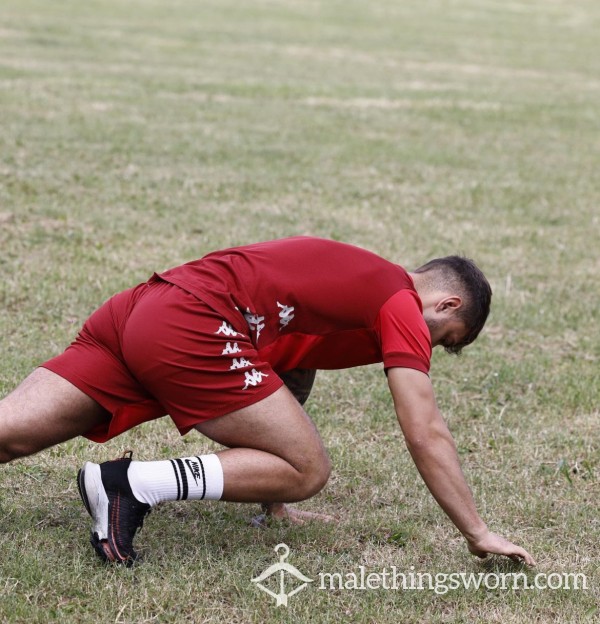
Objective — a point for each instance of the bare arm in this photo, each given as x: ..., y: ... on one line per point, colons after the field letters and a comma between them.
x: 433, y: 450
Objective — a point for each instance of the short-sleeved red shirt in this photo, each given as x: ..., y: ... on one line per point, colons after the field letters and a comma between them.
x: 204, y: 339
x: 313, y: 303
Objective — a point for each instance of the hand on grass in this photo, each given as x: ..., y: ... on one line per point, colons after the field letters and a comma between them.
x: 492, y: 544
x: 280, y: 511
x: 295, y: 516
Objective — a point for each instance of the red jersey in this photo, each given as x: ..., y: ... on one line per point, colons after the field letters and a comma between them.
x: 313, y: 303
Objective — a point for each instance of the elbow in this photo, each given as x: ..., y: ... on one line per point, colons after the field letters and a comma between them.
x: 427, y: 440
x: 418, y: 444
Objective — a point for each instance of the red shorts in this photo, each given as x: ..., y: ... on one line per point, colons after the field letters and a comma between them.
x: 155, y: 350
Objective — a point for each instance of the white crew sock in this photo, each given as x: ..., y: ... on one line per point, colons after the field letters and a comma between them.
x: 195, y: 478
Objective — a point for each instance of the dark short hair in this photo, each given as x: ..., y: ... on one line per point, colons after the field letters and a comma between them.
x: 464, y: 276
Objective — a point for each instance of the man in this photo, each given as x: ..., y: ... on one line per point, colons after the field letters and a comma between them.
x: 211, y: 342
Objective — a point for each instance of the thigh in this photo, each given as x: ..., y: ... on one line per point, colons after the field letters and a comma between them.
x: 43, y: 410
x: 94, y: 364
x: 277, y: 424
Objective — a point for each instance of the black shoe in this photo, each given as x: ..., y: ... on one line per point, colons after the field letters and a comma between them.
x: 117, y: 514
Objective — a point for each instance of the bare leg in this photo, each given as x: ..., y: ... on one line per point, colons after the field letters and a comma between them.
x: 299, y: 382
x: 42, y: 411
x: 275, y: 452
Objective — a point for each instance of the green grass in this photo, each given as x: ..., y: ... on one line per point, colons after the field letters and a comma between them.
x: 135, y: 136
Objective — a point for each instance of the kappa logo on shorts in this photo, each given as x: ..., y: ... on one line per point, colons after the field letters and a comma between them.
x: 226, y: 329
x: 240, y: 363
x: 253, y: 378
x: 230, y: 349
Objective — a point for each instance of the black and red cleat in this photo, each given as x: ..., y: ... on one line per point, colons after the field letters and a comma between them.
x: 117, y: 515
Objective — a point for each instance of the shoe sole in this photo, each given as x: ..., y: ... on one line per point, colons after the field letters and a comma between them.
x: 93, y: 496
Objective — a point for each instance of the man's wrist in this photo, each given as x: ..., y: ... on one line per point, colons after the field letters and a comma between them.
x: 476, y: 532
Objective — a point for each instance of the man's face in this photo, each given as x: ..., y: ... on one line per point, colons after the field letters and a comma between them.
x: 446, y: 331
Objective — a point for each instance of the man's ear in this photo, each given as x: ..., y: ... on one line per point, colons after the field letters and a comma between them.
x: 449, y: 304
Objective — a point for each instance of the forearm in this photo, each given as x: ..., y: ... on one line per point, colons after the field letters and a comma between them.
x: 434, y: 453
x: 435, y: 456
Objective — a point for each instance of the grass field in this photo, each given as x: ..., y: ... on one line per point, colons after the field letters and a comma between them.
x: 138, y: 135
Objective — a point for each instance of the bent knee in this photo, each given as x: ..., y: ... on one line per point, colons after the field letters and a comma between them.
x: 313, y: 478
x: 10, y: 450
x: 7, y: 455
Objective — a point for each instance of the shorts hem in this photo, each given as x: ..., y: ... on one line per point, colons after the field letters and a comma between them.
x: 119, y: 418
x: 252, y: 399
x: 78, y: 383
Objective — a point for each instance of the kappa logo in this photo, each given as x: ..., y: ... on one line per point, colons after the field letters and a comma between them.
x: 240, y: 363
x: 255, y: 322
x: 286, y: 314
x: 230, y: 349
x: 194, y: 468
x: 282, y: 568
x: 226, y: 329
x: 253, y: 378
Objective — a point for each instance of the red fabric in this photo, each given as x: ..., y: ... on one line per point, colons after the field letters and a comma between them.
x: 404, y: 335
x: 333, y: 294
x: 209, y: 337
x: 156, y: 350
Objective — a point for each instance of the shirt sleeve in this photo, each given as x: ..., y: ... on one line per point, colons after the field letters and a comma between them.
x: 404, y: 335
